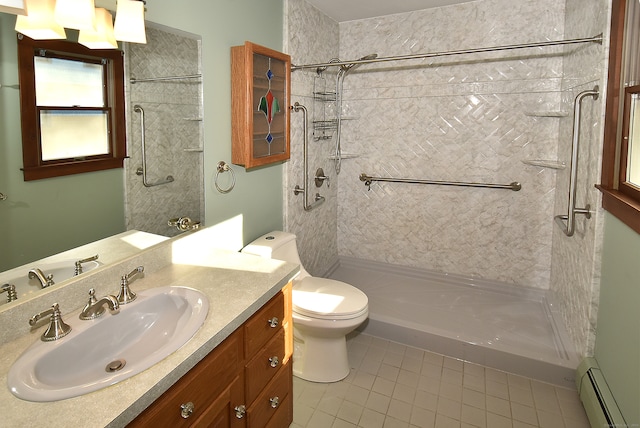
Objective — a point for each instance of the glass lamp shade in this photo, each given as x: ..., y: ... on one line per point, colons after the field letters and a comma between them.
x: 103, y: 37
x: 39, y: 24
x: 77, y: 14
x: 129, y: 26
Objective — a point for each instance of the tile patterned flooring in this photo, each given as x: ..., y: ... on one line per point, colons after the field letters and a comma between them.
x: 392, y: 385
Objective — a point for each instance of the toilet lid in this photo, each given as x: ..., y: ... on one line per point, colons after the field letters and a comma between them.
x: 322, y: 297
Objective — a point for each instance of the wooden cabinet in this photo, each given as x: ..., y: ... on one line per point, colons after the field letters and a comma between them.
x: 245, y: 382
x: 260, y: 114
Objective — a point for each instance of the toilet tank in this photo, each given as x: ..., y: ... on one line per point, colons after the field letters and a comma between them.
x: 275, y: 245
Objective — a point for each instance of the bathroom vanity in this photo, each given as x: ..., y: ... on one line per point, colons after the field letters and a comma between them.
x: 235, y: 371
x: 245, y: 382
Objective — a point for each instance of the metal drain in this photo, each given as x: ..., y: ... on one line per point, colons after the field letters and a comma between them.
x: 115, y: 365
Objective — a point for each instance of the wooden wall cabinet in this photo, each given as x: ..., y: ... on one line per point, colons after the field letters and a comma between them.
x: 245, y: 382
x: 260, y: 99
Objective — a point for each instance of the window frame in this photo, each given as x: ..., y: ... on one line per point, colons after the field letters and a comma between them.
x: 618, y: 198
x: 34, y: 168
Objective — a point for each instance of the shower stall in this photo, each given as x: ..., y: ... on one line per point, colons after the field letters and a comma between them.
x: 482, y: 116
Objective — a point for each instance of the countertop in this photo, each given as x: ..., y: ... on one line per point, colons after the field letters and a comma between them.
x: 236, y: 284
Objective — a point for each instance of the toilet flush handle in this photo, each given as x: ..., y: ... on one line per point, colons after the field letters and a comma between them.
x: 273, y: 322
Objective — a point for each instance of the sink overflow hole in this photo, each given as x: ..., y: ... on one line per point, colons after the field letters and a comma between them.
x: 116, y: 365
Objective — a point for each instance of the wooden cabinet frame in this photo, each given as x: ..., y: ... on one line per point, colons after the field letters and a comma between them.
x: 254, y: 116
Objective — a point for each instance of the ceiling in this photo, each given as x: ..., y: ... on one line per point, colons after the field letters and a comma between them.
x: 349, y: 10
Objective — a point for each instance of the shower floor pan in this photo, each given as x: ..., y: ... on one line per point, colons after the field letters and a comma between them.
x: 497, y: 325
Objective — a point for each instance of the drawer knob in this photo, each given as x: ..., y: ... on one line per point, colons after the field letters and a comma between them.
x: 240, y: 411
x: 186, y: 409
x: 274, y: 402
x: 273, y: 361
x: 273, y: 322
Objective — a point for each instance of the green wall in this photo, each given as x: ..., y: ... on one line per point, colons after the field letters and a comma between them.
x: 48, y: 216
x: 618, y: 329
x: 257, y: 196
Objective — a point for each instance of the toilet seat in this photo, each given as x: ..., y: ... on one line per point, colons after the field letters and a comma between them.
x: 328, y: 299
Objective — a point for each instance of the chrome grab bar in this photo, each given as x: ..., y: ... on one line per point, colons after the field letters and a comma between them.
x: 318, y: 199
x: 143, y: 169
x: 515, y: 186
x: 570, y: 227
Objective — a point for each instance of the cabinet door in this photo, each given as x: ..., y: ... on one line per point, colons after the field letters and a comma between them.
x: 189, y: 398
x: 224, y: 412
x: 260, y: 88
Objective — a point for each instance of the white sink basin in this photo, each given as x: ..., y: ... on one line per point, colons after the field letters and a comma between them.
x: 144, y: 332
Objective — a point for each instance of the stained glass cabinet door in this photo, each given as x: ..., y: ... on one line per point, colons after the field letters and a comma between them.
x: 260, y: 88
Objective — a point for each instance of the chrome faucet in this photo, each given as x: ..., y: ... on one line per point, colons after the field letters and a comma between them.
x: 11, y: 292
x: 78, y: 268
x: 95, y: 308
x: 57, y: 327
x: 45, y: 281
x: 126, y: 295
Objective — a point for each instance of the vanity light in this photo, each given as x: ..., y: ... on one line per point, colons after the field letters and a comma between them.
x: 40, y: 24
x: 46, y: 20
x: 102, y: 37
x: 129, y: 26
x: 77, y: 14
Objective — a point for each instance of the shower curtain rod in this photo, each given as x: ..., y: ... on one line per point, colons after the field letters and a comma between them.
x: 594, y: 39
x: 161, y: 79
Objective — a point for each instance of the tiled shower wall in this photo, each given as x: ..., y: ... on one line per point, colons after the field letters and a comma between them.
x: 173, y: 131
x: 311, y: 37
x: 463, y: 118
x: 575, y: 269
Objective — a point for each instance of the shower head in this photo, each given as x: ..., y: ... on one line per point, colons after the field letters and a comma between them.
x: 347, y: 67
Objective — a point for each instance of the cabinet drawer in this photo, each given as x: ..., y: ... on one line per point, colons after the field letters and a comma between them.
x: 264, y: 324
x: 200, y: 386
x: 263, y: 366
x: 283, y: 415
x: 272, y: 400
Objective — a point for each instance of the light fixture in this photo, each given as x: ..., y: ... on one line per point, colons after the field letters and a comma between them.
x: 103, y: 37
x: 40, y: 24
x: 129, y: 25
x: 77, y: 14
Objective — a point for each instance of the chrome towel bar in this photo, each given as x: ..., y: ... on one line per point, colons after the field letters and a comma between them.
x: 515, y: 186
x: 569, y: 227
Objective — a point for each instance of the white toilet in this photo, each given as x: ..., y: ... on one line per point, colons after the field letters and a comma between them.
x: 324, y: 312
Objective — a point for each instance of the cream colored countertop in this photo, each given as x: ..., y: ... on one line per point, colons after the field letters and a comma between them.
x: 236, y: 284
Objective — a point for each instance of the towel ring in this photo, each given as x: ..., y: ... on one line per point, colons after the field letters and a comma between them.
x: 223, y: 167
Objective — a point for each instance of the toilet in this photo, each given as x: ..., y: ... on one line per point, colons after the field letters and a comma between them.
x: 324, y: 312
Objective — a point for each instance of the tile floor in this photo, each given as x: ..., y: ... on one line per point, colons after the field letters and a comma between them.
x: 393, y: 385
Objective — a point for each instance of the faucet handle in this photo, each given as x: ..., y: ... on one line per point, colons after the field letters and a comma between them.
x: 57, y: 327
x: 78, y: 268
x: 11, y: 292
x: 126, y: 295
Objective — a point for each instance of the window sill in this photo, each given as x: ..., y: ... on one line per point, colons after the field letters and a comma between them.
x: 621, y: 206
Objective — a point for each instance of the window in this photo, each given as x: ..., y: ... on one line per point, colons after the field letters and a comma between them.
x: 621, y: 156
x: 72, y: 108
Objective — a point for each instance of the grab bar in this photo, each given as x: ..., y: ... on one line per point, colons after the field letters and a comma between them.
x: 143, y: 169
x: 570, y: 227
x: 515, y: 186
x: 318, y: 199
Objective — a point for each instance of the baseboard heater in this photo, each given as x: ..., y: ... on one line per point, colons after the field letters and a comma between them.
x: 596, y: 397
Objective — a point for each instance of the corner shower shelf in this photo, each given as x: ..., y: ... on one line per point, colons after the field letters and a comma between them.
x: 545, y: 163
x: 548, y: 113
